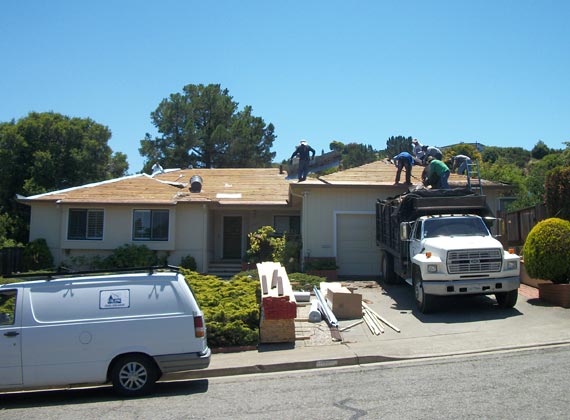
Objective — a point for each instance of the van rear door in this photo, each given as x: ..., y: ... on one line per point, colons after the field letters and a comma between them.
x: 10, y: 338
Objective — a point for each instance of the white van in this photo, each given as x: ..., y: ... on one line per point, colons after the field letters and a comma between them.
x: 127, y: 329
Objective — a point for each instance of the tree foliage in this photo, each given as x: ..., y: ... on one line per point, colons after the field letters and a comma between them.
x: 515, y: 155
x: 398, y: 144
x: 202, y: 127
x: 557, y: 192
x: 354, y: 154
x: 540, y: 150
x: 48, y: 151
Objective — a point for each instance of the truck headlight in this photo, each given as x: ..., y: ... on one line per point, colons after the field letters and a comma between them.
x: 432, y: 268
x: 512, y: 265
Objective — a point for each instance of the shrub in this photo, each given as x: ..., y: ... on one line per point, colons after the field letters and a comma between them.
x: 305, y: 281
x: 129, y: 255
x: 231, y: 308
x: 188, y: 262
x: 37, y: 255
x: 547, y: 250
x: 325, y: 263
x: 264, y: 245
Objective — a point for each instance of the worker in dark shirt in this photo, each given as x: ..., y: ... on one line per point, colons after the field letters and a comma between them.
x: 403, y: 160
x: 305, y: 154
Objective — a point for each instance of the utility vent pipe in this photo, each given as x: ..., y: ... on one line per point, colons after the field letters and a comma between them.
x: 196, y: 184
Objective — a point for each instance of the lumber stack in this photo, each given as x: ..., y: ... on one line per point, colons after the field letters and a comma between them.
x: 278, y: 304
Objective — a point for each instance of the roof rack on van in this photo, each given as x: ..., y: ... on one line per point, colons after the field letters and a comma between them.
x: 61, y: 274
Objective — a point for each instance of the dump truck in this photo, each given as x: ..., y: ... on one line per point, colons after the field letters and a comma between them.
x: 439, y: 241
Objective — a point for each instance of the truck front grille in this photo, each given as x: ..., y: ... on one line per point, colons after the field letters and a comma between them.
x: 474, y: 261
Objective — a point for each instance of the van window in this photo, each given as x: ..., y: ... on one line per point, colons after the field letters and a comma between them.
x: 7, y: 307
x: 74, y: 301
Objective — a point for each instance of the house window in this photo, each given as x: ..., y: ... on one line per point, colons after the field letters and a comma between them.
x: 85, y: 224
x: 287, y: 224
x: 150, y: 225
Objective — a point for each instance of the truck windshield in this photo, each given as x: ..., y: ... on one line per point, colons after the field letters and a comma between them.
x: 454, y: 226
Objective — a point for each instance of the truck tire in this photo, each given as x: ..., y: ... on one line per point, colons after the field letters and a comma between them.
x: 387, y: 265
x: 424, y: 302
x: 134, y: 375
x: 507, y: 299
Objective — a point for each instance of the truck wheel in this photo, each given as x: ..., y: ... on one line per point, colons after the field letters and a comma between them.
x: 134, y: 375
x: 387, y: 264
x: 424, y: 302
x: 507, y: 299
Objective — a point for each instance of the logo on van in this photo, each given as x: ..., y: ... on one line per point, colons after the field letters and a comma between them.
x: 112, y: 299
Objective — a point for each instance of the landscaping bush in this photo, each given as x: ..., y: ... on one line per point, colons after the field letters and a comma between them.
x: 546, y: 251
x: 188, y: 262
x: 264, y: 245
x: 128, y: 256
x: 231, y: 308
x: 306, y: 282
x: 37, y: 255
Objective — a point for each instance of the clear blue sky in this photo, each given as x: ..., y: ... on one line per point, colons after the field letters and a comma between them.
x: 492, y: 71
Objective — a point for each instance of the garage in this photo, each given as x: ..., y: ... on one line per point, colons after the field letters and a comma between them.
x: 357, y: 254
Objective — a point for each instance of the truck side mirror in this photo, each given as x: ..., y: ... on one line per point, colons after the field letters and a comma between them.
x: 404, y: 231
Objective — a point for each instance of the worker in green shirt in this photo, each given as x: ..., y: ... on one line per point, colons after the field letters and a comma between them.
x: 438, y: 174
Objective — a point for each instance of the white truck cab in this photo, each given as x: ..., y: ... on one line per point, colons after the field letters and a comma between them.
x: 128, y: 329
x: 456, y: 254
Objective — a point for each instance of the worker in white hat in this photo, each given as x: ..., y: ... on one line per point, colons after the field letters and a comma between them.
x: 305, y: 154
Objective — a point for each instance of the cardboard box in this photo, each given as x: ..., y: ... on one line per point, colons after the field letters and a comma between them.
x: 344, y: 303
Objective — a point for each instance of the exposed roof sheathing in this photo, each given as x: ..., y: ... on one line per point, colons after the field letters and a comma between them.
x: 258, y: 186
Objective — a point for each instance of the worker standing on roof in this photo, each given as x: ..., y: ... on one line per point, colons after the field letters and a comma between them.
x: 437, y: 174
x: 305, y: 154
x: 417, y: 150
x: 403, y: 160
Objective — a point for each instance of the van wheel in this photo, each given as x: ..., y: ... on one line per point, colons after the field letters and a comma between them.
x: 387, y: 265
x: 424, y: 302
x: 134, y: 375
x: 507, y: 299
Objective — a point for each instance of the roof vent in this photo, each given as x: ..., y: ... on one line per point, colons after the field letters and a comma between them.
x: 196, y: 184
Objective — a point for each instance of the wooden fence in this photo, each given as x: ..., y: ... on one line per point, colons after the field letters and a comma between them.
x: 518, y: 223
x: 11, y: 260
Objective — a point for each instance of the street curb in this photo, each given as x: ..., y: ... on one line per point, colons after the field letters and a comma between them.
x: 279, y: 367
x: 334, y: 362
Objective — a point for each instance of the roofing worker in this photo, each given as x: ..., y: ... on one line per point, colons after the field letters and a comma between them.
x: 460, y: 163
x: 438, y: 174
x: 302, y: 151
x: 417, y: 150
x: 403, y: 160
x: 431, y: 151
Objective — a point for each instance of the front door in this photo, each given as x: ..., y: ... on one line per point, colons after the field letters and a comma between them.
x: 10, y: 340
x: 232, y: 238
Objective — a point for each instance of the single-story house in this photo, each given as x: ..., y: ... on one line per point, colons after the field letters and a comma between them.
x: 207, y: 213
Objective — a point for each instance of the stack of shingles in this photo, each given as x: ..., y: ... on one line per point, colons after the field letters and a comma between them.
x: 278, y: 304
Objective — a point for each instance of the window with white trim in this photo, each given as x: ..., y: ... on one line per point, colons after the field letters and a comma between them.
x: 85, y: 224
x: 287, y: 224
x: 150, y: 225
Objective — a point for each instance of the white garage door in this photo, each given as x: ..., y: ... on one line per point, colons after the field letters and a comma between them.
x: 357, y: 254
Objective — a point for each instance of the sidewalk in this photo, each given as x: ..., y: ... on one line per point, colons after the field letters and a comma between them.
x: 467, y: 324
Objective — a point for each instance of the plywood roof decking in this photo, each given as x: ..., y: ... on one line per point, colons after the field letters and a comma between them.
x: 252, y: 186
x: 240, y: 186
x: 382, y: 172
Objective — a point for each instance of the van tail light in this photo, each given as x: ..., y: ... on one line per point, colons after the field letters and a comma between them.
x: 199, y: 330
